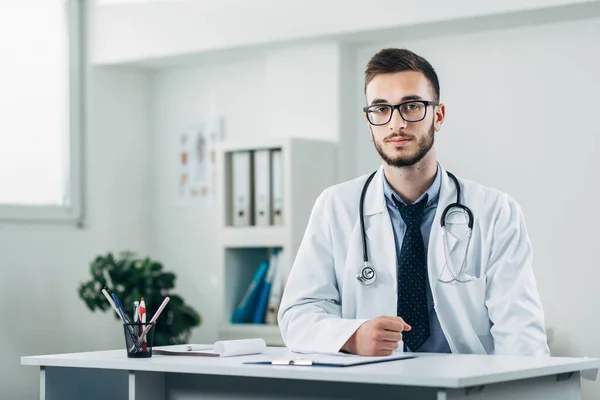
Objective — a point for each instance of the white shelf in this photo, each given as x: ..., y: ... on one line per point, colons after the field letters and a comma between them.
x: 307, y: 168
x: 270, y: 333
x: 254, y: 236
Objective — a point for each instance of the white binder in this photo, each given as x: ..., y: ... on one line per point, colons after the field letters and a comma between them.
x: 277, y: 286
x: 277, y: 186
x: 241, y: 199
x: 262, y: 188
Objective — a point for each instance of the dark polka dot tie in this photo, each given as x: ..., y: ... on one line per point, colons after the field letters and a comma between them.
x: 412, y: 276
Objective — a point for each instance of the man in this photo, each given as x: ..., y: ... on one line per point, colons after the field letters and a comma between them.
x: 432, y: 288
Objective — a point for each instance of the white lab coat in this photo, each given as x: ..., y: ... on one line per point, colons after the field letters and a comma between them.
x: 498, y: 312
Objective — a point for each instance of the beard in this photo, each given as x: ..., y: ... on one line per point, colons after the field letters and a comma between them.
x: 424, y: 144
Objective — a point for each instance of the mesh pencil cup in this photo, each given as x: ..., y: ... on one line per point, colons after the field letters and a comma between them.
x: 136, y: 345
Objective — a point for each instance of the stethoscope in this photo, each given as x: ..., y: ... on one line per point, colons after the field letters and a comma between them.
x: 366, y: 273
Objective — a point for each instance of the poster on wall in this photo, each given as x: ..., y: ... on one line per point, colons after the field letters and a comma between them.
x: 197, y: 161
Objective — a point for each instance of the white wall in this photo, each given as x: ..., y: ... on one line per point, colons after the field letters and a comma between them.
x: 290, y: 92
x: 184, y: 238
x: 146, y: 30
x: 302, y: 88
x: 43, y: 265
x: 308, y: 87
x: 521, y: 117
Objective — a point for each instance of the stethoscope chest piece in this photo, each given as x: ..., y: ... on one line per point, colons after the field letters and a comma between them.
x: 366, y: 274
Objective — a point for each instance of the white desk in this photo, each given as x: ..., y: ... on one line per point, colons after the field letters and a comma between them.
x: 111, y: 375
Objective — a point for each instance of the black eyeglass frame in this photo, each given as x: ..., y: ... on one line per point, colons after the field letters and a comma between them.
x: 426, y: 103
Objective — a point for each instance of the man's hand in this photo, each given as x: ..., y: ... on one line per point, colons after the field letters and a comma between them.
x: 377, y: 337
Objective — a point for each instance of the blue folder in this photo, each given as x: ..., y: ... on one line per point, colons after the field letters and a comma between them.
x: 245, y: 310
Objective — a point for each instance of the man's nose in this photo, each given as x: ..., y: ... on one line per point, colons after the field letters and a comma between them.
x: 397, y: 122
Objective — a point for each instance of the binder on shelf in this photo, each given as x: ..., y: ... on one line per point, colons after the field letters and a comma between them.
x: 261, y: 308
x: 262, y: 188
x: 241, y: 193
x: 279, y: 279
x: 277, y: 187
x: 244, y: 312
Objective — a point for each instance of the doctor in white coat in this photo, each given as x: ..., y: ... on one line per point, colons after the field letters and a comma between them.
x: 432, y: 291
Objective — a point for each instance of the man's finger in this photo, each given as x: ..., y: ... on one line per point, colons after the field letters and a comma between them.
x: 389, y: 345
x: 391, y: 336
x: 395, y: 324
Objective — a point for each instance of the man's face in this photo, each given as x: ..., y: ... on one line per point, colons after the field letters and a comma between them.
x: 398, y: 142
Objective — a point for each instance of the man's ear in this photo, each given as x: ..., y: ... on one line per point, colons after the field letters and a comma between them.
x: 440, y: 115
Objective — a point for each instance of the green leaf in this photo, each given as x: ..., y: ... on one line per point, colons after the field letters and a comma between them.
x: 134, y: 278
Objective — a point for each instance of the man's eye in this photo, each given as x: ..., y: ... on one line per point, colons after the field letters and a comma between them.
x: 412, y: 106
x: 380, y: 110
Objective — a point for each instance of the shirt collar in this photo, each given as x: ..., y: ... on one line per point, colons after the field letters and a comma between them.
x: 433, y: 192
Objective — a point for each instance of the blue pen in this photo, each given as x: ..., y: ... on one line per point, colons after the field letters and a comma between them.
x: 120, y: 308
x: 125, y: 321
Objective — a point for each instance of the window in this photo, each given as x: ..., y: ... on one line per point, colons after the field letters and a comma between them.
x: 41, y: 98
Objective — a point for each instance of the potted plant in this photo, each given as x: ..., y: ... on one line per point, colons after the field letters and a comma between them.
x: 132, y: 278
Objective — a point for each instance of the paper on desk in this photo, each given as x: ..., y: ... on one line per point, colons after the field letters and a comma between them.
x: 396, y: 353
x: 198, y: 347
x: 344, y: 358
x: 224, y: 348
x: 241, y: 347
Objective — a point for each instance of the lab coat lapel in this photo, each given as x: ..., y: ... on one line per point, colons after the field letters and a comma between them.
x: 378, y: 226
x: 436, y: 258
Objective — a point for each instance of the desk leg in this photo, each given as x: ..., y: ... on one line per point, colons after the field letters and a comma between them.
x: 554, y: 387
x: 42, y: 383
x: 145, y: 385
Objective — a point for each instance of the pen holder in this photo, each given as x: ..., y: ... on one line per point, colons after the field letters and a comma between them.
x: 137, y: 348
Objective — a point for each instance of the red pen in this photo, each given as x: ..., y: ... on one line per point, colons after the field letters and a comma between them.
x: 143, y: 320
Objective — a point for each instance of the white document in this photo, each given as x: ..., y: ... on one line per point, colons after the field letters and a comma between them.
x: 241, y: 199
x: 331, y: 360
x: 275, y: 293
x: 240, y: 347
x: 339, y: 360
x: 223, y: 348
x: 262, y: 188
x: 277, y: 186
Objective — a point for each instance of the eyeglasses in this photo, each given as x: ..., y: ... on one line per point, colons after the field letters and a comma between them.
x: 410, y: 111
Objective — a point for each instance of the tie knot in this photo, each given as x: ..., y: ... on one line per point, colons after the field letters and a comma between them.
x: 413, y: 213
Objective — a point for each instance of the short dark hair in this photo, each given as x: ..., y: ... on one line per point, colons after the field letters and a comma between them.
x: 392, y: 60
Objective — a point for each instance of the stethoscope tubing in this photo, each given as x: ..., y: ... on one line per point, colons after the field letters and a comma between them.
x: 361, y: 276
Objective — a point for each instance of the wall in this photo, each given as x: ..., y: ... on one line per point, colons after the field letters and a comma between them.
x: 137, y: 31
x: 43, y: 265
x: 184, y: 237
x: 521, y: 109
x: 290, y: 92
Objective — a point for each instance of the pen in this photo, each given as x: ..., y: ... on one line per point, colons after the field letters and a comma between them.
x: 136, y: 319
x: 143, y: 320
x: 121, y: 312
x: 292, y: 362
x: 110, y: 301
x: 120, y: 308
x: 155, y: 317
x: 136, y: 304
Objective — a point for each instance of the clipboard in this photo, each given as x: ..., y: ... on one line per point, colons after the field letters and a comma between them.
x: 337, y: 362
x: 188, y: 350
x: 185, y: 353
